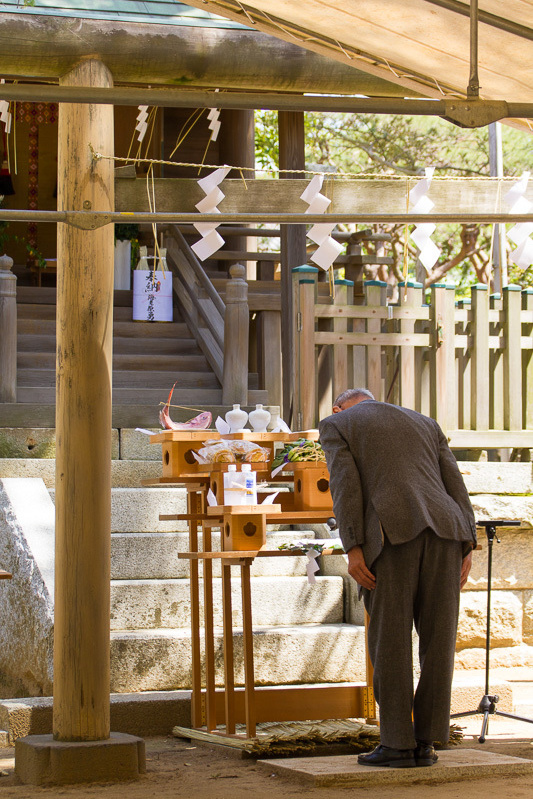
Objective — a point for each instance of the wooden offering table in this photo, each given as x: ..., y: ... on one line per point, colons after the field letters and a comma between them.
x: 243, y: 538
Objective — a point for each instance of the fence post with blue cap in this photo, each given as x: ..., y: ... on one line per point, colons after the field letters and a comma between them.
x: 305, y: 390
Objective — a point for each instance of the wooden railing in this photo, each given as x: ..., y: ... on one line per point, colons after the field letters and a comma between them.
x: 468, y: 364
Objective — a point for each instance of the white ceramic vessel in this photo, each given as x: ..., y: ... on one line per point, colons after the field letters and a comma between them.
x: 259, y: 419
x: 236, y: 419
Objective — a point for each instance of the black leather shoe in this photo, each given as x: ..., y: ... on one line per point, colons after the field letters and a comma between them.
x: 385, y: 756
x: 425, y: 754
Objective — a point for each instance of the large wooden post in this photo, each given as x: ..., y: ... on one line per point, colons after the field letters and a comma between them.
x: 236, y: 147
x: 8, y: 331
x: 236, y: 339
x: 83, y: 419
x: 291, y: 156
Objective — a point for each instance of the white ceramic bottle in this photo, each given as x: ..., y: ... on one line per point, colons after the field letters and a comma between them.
x: 259, y: 419
x: 236, y: 419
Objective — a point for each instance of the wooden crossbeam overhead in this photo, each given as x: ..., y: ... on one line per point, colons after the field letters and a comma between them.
x: 278, y: 201
x: 384, y: 196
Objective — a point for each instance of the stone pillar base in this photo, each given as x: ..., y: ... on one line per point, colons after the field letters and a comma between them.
x: 39, y: 760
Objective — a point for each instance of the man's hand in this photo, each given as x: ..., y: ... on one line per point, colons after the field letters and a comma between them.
x: 358, y: 570
x: 465, y: 569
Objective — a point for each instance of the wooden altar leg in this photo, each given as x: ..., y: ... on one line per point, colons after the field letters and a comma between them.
x: 248, y: 647
x: 229, y: 676
x: 210, y: 708
x: 193, y: 506
x: 370, y: 703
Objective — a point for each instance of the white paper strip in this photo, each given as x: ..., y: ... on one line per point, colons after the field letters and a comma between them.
x: 142, y: 430
x: 420, y: 203
x: 520, y: 234
x: 211, y: 241
x: 320, y: 234
x: 222, y: 426
x: 142, y: 123
x: 269, y: 500
x: 211, y: 499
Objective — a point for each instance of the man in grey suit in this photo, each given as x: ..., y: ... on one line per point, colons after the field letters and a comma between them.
x: 407, y: 525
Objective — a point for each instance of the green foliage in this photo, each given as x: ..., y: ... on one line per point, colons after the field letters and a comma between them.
x: 391, y: 145
x: 34, y: 254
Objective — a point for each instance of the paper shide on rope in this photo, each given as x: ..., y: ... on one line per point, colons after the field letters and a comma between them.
x: 211, y: 240
x: 420, y: 203
x: 320, y: 234
x: 520, y: 234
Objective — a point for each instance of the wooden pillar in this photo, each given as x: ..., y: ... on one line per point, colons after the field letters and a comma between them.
x: 236, y: 339
x: 8, y: 331
x: 410, y: 298
x: 444, y: 402
x: 293, y: 253
x: 83, y: 419
x: 527, y: 365
x: 236, y: 147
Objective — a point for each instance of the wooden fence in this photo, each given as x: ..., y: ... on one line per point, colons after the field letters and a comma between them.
x: 466, y: 363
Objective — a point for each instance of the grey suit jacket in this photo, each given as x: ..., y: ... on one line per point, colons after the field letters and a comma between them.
x: 391, y: 469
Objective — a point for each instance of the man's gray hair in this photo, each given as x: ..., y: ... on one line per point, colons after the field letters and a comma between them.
x: 353, y: 393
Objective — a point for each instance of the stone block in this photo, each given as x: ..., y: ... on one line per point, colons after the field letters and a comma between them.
x: 39, y: 760
x: 153, y: 556
x: 512, y: 561
x: 154, y: 604
x: 497, y: 478
x: 494, y: 506
x: 124, y: 474
x: 337, y: 565
x: 135, y: 446
x: 137, y: 509
x: 160, y: 660
x: 145, y: 714
x: 38, y: 442
x: 506, y: 620
x: 508, y: 657
x: 27, y: 523
x: 528, y: 617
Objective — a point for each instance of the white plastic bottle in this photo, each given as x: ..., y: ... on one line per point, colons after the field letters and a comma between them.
x: 232, y: 490
x: 250, y: 487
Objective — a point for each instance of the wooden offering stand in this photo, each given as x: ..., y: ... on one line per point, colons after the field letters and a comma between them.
x: 217, y: 711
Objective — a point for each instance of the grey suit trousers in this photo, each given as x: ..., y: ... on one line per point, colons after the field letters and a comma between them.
x: 416, y: 582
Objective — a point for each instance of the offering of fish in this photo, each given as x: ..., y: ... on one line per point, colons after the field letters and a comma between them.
x: 200, y: 422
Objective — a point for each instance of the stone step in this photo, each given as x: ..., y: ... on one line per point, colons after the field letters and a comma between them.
x: 189, y: 360
x: 151, y: 713
x: 160, y: 660
x: 134, y: 396
x: 154, y: 556
x: 155, y: 604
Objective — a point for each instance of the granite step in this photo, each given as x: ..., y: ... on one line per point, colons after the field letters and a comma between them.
x: 277, y: 600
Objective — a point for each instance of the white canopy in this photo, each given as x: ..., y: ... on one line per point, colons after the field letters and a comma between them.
x: 423, y: 45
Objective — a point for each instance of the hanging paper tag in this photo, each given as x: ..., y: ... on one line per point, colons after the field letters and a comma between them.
x: 312, y: 566
x: 211, y: 499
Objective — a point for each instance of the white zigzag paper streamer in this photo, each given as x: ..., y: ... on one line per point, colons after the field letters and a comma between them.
x: 142, y: 122
x: 214, y: 122
x: 328, y: 248
x: 420, y: 203
x: 5, y: 113
x: 211, y: 240
x: 520, y: 234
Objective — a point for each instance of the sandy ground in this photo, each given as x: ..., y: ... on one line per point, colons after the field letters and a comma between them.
x: 178, y: 768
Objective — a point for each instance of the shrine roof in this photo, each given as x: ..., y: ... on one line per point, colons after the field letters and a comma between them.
x: 163, y: 12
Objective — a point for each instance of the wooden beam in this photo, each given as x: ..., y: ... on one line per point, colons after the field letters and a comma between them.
x: 46, y: 47
x: 380, y: 196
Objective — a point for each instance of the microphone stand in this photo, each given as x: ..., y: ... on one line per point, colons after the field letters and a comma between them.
x: 487, y: 705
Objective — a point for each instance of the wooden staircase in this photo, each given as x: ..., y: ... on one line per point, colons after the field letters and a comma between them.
x: 147, y: 359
